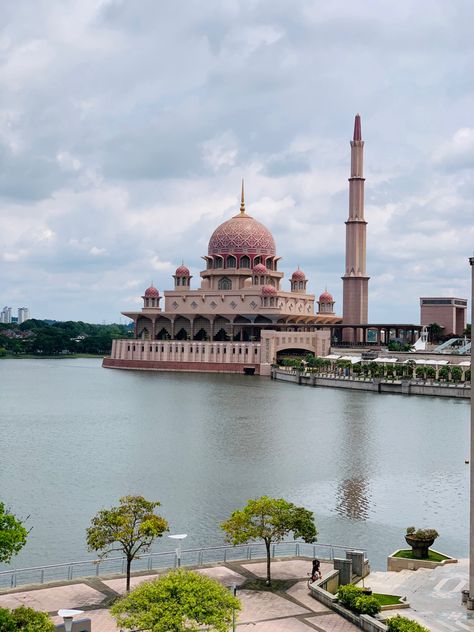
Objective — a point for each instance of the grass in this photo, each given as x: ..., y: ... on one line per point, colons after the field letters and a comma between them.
x: 387, y: 600
x: 432, y: 555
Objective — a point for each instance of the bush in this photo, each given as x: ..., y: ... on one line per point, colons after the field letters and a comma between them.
x: 366, y: 604
x: 422, y: 534
x: 353, y: 597
x: 24, y: 619
x: 402, y: 624
x: 456, y: 374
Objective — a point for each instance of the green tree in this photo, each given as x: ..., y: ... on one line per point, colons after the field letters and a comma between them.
x: 456, y: 373
x: 25, y: 619
x: 434, y: 332
x: 131, y: 528
x: 443, y: 373
x: 270, y: 520
x: 180, y: 600
x: 13, y: 534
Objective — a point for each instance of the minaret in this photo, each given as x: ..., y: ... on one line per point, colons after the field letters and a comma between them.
x: 355, y: 279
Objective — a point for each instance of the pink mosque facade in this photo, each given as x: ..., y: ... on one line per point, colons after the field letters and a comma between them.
x: 241, y: 317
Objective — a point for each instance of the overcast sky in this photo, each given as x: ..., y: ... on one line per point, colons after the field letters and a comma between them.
x: 126, y: 126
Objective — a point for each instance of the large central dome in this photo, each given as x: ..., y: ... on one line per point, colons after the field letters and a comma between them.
x: 242, y: 235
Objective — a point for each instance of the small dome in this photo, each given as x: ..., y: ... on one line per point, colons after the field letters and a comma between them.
x: 182, y: 271
x: 151, y: 292
x: 268, y: 290
x: 260, y: 269
x: 298, y: 275
x: 326, y: 297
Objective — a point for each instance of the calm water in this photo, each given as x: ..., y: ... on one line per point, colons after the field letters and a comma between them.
x: 74, y: 437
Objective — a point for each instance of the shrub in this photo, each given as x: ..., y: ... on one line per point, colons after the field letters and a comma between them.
x: 456, y: 374
x: 366, y: 604
x: 353, y: 597
x: 25, y: 619
x: 348, y: 594
x: 422, y: 534
x: 467, y: 375
x: 402, y: 624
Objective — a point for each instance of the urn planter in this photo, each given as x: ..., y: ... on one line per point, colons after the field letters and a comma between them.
x: 419, y: 546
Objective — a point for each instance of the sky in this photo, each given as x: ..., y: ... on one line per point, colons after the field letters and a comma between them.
x: 126, y: 127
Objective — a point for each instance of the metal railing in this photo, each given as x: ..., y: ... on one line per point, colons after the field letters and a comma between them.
x: 169, y: 559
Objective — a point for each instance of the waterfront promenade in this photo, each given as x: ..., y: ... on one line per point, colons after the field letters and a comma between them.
x: 434, y: 597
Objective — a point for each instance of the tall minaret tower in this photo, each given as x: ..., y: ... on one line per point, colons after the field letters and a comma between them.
x: 355, y: 279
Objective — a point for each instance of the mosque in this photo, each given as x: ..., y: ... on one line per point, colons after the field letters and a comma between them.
x: 241, y: 317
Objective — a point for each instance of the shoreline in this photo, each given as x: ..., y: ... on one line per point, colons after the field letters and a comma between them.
x: 374, y: 385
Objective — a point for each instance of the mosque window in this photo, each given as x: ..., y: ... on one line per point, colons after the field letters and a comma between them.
x: 231, y: 262
x: 225, y: 284
x: 257, y: 260
x: 245, y: 262
x: 209, y: 263
x: 128, y: 348
x: 162, y: 349
x: 218, y: 262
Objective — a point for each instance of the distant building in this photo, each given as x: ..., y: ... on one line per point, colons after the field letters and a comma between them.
x: 23, y: 314
x: 6, y: 315
x: 448, y: 312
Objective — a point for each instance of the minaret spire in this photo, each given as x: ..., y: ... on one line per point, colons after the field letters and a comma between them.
x: 242, y: 199
x: 355, y: 279
x: 357, y: 128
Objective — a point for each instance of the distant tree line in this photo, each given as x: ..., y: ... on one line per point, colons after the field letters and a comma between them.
x: 39, y: 337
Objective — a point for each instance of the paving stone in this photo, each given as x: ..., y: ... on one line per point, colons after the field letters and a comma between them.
x: 261, y: 605
x: 224, y: 575
x: 50, y: 599
x: 287, y: 569
x: 282, y: 625
x: 333, y: 623
x: 301, y: 593
x: 119, y: 585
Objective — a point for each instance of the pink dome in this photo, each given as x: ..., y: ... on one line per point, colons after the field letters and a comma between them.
x: 326, y: 297
x: 242, y: 235
x: 182, y: 271
x: 268, y: 290
x: 298, y: 275
x: 151, y: 292
x: 260, y: 269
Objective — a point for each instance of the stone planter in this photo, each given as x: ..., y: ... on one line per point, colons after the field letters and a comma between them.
x: 420, y: 547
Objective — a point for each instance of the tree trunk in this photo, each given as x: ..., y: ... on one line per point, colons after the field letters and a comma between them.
x: 129, y: 564
x: 267, y: 545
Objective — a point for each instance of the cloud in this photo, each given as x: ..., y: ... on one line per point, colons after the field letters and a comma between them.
x: 458, y: 152
x: 125, y: 131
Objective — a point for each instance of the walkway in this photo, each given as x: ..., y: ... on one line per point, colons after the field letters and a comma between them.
x: 290, y: 609
x: 434, y: 596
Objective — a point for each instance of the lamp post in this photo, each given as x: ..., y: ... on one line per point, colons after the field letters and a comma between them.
x: 233, y: 589
x: 179, y: 537
x: 68, y: 616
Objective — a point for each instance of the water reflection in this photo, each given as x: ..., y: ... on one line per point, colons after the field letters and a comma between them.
x: 353, y: 498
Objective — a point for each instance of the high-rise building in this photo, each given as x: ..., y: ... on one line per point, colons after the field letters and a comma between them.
x: 355, y: 279
x: 23, y: 314
x: 6, y: 315
x: 447, y: 312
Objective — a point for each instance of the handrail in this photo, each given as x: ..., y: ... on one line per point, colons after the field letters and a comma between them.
x: 199, y: 556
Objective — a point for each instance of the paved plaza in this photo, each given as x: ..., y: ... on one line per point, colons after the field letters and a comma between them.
x: 434, y: 596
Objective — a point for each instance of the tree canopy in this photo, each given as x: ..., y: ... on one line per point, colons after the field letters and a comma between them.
x: 25, y: 619
x: 179, y: 601
x: 130, y: 528
x: 270, y: 520
x: 13, y: 534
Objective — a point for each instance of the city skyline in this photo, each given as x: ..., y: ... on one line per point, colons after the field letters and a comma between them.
x: 124, y: 135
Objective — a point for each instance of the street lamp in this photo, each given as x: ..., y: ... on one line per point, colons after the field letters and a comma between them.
x: 178, y: 537
x: 233, y: 590
x: 68, y: 616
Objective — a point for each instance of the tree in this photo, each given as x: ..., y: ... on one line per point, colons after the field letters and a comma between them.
x: 180, y: 600
x: 13, y: 534
x: 130, y: 528
x: 270, y: 520
x: 435, y: 331
x: 25, y: 619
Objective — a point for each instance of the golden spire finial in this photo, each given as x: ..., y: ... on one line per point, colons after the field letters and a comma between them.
x: 242, y: 199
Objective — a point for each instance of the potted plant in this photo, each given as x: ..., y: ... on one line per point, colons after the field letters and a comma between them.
x: 420, y: 541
